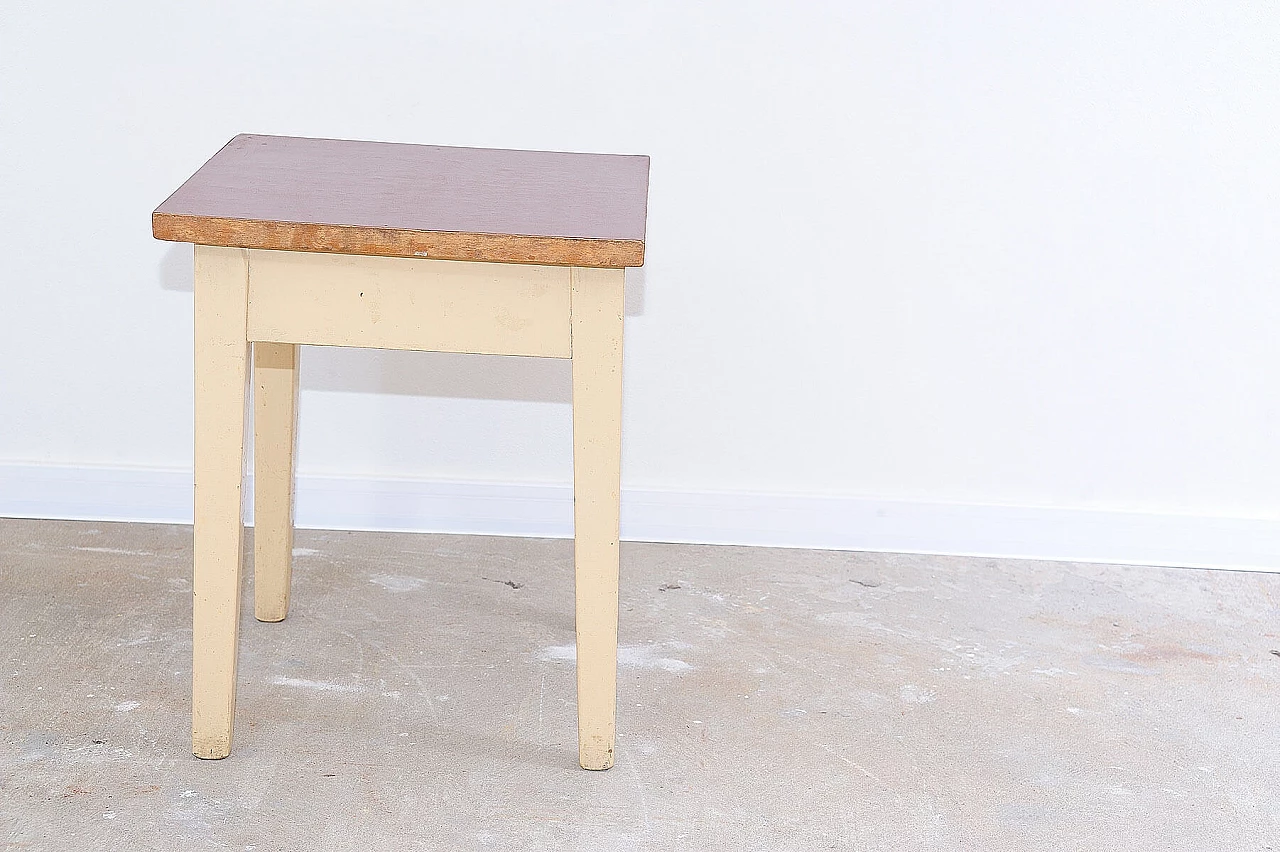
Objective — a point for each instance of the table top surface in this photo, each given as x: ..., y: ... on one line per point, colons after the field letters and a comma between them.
x: 380, y: 198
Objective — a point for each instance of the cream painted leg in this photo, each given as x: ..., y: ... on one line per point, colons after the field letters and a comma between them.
x: 275, y: 418
x: 596, y: 304
x: 221, y: 361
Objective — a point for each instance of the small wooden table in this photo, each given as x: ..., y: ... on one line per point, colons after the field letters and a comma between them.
x: 339, y: 243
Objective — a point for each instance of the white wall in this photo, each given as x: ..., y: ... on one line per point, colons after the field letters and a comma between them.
x: 1018, y: 254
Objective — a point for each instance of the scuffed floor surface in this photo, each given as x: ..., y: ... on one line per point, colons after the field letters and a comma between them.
x: 421, y: 695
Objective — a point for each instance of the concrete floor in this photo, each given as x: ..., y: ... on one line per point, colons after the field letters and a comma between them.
x: 420, y: 695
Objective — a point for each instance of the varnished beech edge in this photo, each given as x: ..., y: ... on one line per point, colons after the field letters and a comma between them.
x: 394, y: 242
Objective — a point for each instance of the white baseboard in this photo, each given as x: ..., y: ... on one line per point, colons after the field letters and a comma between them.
x: 771, y: 520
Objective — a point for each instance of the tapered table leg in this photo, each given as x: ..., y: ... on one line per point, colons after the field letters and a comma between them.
x: 275, y: 418
x: 221, y: 372
x: 597, y: 307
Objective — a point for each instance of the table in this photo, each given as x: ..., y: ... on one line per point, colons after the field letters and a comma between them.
x: 347, y: 243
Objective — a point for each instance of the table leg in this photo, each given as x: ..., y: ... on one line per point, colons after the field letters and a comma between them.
x: 275, y: 418
x: 596, y: 304
x: 221, y: 362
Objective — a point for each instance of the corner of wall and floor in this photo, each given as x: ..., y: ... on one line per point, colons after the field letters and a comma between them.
x: 164, y: 495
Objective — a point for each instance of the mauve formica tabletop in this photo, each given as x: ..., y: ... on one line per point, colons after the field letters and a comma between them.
x: 381, y: 198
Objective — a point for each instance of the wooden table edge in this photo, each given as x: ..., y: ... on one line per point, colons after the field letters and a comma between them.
x: 397, y: 242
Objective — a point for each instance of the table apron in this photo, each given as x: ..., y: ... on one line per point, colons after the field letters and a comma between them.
x: 409, y: 303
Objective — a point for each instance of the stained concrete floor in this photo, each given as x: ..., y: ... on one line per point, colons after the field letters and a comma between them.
x: 420, y: 695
